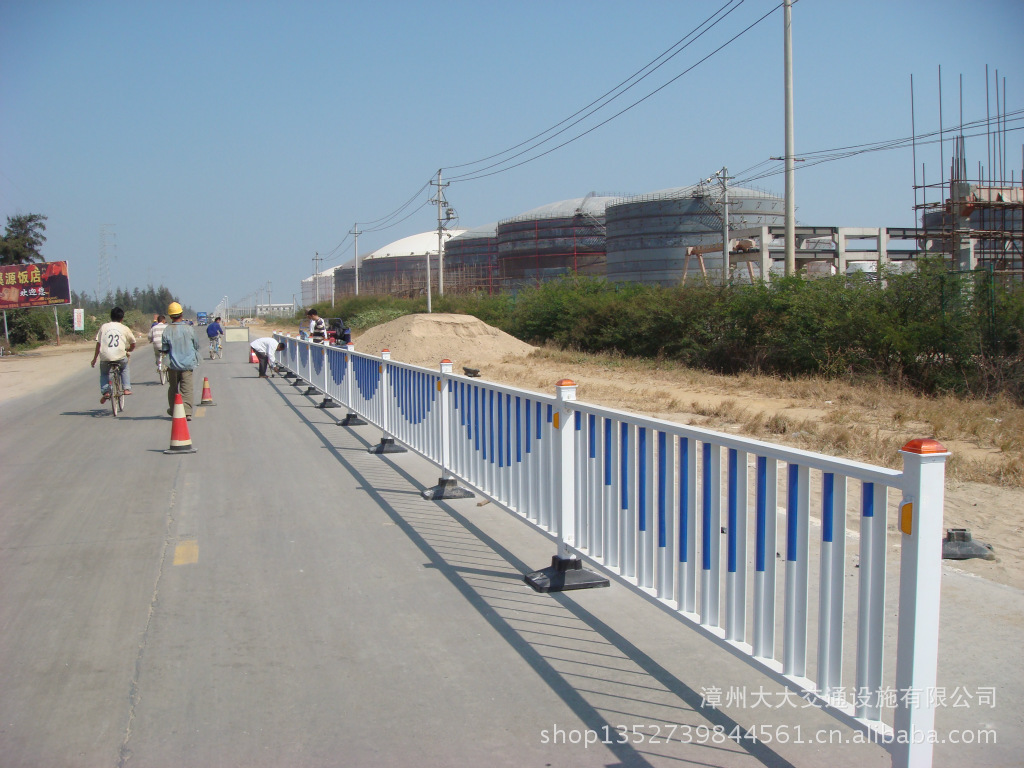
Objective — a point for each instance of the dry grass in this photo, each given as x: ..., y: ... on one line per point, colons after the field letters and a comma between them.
x: 867, y: 421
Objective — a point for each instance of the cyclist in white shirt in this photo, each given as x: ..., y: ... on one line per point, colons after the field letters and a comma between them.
x: 114, y: 342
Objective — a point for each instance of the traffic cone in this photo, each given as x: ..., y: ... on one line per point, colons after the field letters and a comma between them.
x: 207, y: 395
x: 180, y: 441
x: 252, y: 356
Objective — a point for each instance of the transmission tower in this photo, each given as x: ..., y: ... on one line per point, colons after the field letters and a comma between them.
x: 108, y: 246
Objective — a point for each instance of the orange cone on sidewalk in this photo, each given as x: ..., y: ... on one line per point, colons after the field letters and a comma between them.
x: 180, y: 440
x: 207, y: 395
x: 252, y: 356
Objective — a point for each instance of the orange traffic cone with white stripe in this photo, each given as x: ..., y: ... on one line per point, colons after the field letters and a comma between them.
x: 180, y: 441
x: 207, y: 395
x: 252, y: 356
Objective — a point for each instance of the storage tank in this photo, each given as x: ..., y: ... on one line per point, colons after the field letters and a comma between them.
x: 647, y: 236
x: 567, y: 237
x: 400, y: 268
x: 471, y: 261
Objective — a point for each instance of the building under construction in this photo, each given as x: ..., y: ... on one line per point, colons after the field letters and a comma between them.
x: 974, y: 223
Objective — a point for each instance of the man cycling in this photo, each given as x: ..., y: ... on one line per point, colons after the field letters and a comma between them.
x: 156, y: 335
x: 214, y: 331
x: 113, y: 343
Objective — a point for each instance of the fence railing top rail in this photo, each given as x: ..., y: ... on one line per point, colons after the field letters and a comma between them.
x: 847, y: 467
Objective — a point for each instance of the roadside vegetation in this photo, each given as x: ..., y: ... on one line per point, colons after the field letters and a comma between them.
x: 931, y: 331
x: 930, y: 352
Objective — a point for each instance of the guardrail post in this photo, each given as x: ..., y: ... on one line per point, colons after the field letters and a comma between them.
x: 447, y: 486
x: 328, y: 401
x: 917, y: 645
x: 310, y: 388
x: 566, y: 570
x: 387, y: 442
x: 351, y: 418
x: 299, y: 347
x: 288, y: 372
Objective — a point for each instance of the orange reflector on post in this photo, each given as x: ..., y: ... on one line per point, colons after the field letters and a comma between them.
x: 924, y: 445
x: 907, y: 517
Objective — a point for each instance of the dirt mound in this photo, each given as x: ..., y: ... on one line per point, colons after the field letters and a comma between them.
x: 426, y: 340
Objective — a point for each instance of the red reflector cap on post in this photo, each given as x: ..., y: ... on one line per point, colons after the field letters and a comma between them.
x: 924, y: 445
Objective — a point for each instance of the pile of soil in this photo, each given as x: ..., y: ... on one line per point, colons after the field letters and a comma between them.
x: 426, y: 340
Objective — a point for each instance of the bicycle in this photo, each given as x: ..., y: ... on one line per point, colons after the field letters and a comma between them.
x: 116, y: 388
x: 161, y: 370
x: 216, y: 350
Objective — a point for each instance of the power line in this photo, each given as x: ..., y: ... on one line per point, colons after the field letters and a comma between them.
x: 842, y: 153
x: 472, y: 176
x: 608, y: 93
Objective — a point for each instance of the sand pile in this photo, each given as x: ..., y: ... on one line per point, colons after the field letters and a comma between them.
x: 426, y: 340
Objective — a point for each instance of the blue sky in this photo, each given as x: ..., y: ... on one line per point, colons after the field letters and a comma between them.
x: 224, y: 143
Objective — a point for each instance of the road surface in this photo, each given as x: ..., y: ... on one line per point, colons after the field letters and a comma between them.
x: 282, y: 598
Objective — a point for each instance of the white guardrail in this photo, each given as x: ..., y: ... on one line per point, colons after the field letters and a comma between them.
x: 680, y: 514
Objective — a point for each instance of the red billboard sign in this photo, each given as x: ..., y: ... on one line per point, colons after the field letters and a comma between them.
x: 34, y: 285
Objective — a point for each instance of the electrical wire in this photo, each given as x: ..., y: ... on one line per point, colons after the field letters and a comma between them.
x: 472, y: 176
x: 653, y: 63
x: 818, y: 157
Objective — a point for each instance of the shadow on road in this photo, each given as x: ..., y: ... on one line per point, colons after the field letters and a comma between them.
x: 584, y: 660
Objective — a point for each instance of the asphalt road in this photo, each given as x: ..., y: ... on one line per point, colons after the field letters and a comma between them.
x: 282, y: 598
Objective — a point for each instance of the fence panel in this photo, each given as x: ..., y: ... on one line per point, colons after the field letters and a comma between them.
x: 683, y: 515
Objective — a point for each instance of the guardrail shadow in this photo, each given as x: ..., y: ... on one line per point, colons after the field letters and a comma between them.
x: 602, y: 676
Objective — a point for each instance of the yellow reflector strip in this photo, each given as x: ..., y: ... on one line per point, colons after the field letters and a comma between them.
x: 555, y: 420
x: 187, y: 552
x: 907, y: 517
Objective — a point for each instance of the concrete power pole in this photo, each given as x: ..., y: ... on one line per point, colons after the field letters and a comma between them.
x: 355, y: 252
x: 790, y: 150
x: 316, y: 277
x: 441, y: 202
x: 725, y: 226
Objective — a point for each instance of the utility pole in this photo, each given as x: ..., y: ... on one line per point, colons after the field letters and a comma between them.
x: 790, y: 150
x: 724, y: 178
x: 441, y: 202
x: 316, y: 277
x: 268, y: 295
x: 355, y: 251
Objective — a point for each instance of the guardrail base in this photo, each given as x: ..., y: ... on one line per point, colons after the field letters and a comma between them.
x: 351, y: 420
x: 298, y: 382
x: 310, y: 391
x: 387, y: 445
x: 563, y: 574
x: 328, y: 403
x: 447, y: 488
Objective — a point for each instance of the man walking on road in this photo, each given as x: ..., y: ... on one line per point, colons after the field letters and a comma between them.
x: 179, y: 343
x: 264, y: 350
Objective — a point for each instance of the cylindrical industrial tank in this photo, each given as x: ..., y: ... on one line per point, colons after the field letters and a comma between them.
x: 400, y: 268
x: 647, y: 236
x: 567, y: 237
x: 345, y: 281
x: 471, y: 260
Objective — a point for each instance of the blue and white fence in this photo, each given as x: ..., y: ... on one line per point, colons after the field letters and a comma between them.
x: 715, y: 528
